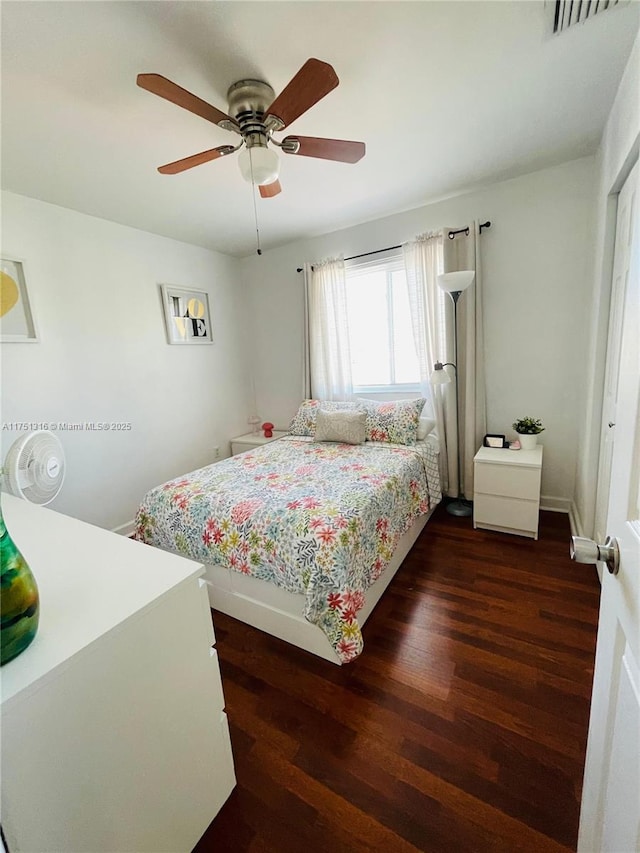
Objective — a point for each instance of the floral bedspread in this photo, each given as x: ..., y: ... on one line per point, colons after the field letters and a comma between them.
x: 321, y: 519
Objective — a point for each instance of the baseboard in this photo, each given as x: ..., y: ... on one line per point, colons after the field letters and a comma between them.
x: 551, y: 504
x: 577, y: 528
x: 126, y: 529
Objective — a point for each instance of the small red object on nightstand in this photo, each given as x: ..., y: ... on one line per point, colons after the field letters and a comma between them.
x: 268, y: 430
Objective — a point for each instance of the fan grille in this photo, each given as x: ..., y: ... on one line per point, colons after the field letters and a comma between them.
x: 35, y: 467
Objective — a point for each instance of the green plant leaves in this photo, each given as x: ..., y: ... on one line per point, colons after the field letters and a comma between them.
x: 528, y: 426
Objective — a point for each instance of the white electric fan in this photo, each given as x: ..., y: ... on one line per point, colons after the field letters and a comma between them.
x: 34, y: 467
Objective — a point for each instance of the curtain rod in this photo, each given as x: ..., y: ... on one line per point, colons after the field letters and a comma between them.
x: 452, y: 234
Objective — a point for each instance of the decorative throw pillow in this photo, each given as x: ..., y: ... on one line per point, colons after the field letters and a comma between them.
x: 395, y: 421
x: 304, y: 421
x: 425, y: 426
x: 347, y: 427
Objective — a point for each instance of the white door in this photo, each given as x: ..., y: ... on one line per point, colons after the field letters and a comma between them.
x: 612, y: 367
x: 610, y: 814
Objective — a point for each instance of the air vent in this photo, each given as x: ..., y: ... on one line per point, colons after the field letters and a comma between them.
x: 566, y: 13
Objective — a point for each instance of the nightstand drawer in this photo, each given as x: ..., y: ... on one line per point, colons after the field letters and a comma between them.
x: 507, y: 480
x: 241, y: 448
x: 505, y: 512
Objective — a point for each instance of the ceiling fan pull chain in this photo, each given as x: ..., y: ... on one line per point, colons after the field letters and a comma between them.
x: 255, y: 207
x: 255, y: 212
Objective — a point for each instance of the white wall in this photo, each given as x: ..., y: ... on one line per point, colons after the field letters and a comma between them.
x: 618, y: 151
x: 103, y: 355
x: 536, y: 285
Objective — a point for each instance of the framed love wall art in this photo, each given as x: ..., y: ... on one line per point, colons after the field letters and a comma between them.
x: 17, y: 324
x: 186, y: 315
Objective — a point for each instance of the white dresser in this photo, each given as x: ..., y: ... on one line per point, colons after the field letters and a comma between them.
x: 114, y: 736
x: 507, y: 490
x: 252, y: 440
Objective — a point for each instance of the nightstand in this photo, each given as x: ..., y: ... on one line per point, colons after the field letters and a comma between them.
x: 252, y: 440
x: 506, y: 494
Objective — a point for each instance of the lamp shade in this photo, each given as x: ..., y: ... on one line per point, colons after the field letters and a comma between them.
x: 439, y: 375
x: 455, y: 282
x: 259, y: 164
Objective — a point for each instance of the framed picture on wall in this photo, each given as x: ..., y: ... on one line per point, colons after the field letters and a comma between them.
x: 186, y: 315
x: 17, y: 323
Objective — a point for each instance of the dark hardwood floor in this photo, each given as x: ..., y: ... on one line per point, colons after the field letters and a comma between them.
x: 462, y: 726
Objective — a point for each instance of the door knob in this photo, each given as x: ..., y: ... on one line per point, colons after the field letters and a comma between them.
x: 587, y: 551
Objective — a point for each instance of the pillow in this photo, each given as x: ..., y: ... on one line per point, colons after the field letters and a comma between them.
x: 347, y: 427
x: 425, y: 425
x: 395, y: 421
x: 304, y: 421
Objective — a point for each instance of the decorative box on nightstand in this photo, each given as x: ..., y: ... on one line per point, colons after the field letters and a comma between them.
x: 252, y: 440
x: 506, y: 493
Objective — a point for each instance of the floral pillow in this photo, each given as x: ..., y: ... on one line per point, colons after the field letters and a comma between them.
x: 304, y: 421
x: 395, y: 421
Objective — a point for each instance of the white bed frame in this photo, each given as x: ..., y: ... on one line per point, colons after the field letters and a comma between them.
x: 280, y: 613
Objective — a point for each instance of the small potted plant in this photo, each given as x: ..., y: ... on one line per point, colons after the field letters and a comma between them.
x: 528, y: 430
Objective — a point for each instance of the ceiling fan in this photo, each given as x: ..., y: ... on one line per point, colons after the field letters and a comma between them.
x: 256, y: 114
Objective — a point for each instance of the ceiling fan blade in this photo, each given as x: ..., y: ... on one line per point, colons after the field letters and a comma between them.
x: 314, y: 80
x: 326, y: 149
x: 195, y: 160
x: 269, y: 190
x: 159, y: 85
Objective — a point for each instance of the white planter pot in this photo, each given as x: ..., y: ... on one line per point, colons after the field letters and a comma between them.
x: 527, y: 442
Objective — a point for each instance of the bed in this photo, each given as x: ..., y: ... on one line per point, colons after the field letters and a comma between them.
x: 299, y: 538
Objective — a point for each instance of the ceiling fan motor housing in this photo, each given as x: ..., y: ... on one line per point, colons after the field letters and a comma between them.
x: 248, y: 101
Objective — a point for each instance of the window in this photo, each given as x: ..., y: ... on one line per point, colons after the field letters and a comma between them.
x: 383, y: 355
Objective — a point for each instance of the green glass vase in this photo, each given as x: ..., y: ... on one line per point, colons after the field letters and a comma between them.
x: 19, y: 603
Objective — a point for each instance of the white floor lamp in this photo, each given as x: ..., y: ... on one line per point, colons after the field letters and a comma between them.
x: 454, y: 283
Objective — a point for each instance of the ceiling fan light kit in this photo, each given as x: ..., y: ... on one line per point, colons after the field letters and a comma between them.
x: 259, y: 165
x: 255, y: 114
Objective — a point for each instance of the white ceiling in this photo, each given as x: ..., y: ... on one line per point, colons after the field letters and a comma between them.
x: 446, y: 95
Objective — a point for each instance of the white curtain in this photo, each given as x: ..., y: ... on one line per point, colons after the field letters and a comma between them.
x: 423, y: 259
x: 327, y: 371
x: 462, y: 253
x: 306, y: 354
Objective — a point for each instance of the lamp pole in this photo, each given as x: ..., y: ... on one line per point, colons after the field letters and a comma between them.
x: 454, y: 283
x: 458, y: 506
